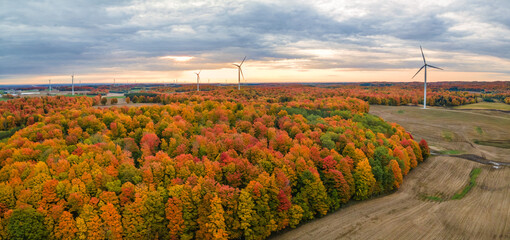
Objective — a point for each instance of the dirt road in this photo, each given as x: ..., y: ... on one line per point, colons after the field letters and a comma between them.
x: 484, y: 213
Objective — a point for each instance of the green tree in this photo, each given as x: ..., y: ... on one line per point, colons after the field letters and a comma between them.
x: 26, y: 223
x: 155, y: 217
x: 312, y: 195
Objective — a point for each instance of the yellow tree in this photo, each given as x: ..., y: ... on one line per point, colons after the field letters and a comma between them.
x: 82, y: 228
x: 216, y: 219
x: 364, y: 180
x: 90, y: 224
x: 133, y: 222
x: 354, y: 153
x: 246, y: 213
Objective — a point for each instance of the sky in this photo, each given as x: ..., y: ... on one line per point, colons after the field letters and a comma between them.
x: 284, y: 41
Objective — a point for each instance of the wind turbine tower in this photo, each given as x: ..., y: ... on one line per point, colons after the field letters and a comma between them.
x: 425, y: 65
x: 239, y: 73
x: 49, y: 84
x: 198, y: 80
x: 72, y: 83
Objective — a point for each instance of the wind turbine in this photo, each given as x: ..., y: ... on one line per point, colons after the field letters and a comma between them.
x: 239, y: 73
x: 50, y: 85
x: 72, y: 83
x: 425, y: 65
x: 198, y: 80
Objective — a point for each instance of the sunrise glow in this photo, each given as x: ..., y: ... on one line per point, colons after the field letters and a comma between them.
x: 178, y: 58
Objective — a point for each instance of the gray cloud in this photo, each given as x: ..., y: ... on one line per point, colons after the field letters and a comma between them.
x: 57, y: 37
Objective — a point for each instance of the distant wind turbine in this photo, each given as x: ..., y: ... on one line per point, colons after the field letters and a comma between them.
x: 49, y: 84
x: 239, y: 73
x: 72, y: 83
x: 198, y: 80
x: 425, y: 65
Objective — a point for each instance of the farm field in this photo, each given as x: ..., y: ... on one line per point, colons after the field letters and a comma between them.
x: 486, y: 105
x: 422, y: 208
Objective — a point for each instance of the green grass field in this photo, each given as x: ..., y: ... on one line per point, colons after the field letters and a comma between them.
x: 486, y: 105
x: 3, y: 99
x: 448, y: 152
x: 479, y: 130
x: 116, y: 97
x: 432, y: 198
x: 494, y: 143
x: 447, y: 135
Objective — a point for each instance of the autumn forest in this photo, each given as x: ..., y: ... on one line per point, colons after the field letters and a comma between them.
x: 215, y: 164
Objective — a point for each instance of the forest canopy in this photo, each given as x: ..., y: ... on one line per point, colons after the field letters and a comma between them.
x: 213, y: 165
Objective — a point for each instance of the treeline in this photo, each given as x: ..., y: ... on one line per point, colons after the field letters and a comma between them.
x: 143, y: 97
x: 394, y: 94
x: 205, y: 166
x: 26, y: 111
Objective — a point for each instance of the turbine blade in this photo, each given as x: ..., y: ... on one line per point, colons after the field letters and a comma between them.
x: 423, y: 55
x: 418, y: 71
x: 200, y: 71
x: 434, y: 67
x: 242, y: 61
x: 242, y: 73
x: 236, y: 65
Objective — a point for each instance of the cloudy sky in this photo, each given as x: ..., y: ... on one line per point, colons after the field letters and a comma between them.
x: 298, y: 41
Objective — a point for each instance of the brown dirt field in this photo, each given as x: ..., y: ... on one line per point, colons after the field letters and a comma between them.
x: 484, y: 213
